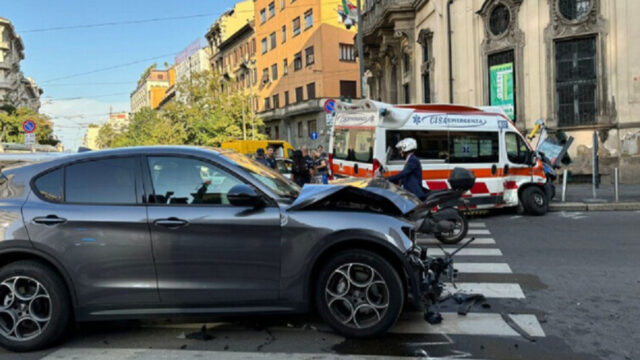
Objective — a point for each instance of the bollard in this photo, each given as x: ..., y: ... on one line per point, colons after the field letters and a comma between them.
x: 615, y: 184
x: 564, y: 185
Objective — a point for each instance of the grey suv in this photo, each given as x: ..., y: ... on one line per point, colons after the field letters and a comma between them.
x: 174, y: 231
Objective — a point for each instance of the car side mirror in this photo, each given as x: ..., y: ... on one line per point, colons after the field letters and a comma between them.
x: 243, y: 195
x: 532, y: 158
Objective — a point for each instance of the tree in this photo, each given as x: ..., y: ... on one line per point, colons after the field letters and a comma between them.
x: 204, y: 113
x: 11, y: 126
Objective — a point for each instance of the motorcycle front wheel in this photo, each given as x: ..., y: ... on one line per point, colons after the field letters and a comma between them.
x: 460, y: 229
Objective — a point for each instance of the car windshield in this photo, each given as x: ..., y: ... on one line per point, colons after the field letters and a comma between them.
x: 268, y: 177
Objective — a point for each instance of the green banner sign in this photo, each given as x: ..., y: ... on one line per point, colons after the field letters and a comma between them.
x: 501, y: 78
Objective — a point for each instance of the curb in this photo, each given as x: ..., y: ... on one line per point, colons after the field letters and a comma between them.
x: 580, y: 206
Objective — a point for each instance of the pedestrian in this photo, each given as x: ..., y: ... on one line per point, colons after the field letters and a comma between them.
x: 308, y: 159
x: 410, y: 178
x: 300, y: 170
x: 260, y: 157
x: 321, y: 151
x: 270, y: 157
x: 321, y: 168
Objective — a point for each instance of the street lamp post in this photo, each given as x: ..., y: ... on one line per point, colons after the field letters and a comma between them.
x: 360, y: 44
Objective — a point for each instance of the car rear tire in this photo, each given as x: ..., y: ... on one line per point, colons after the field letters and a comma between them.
x: 535, y: 201
x: 458, y: 233
x: 35, y: 310
x: 359, y: 294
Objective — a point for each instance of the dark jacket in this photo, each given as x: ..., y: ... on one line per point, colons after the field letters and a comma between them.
x: 410, y: 177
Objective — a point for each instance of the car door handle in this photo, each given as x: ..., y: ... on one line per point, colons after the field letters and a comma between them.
x: 49, y: 220
x: 171, y: 223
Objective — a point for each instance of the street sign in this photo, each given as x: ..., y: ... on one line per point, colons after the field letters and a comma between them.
x: 314, y: 136
x: 30, y: 139
x: 29, y: 126
x: 330, y: 106
x: 329, y: 119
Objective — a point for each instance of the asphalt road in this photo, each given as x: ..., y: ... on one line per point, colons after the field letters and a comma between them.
x: 570, y: 282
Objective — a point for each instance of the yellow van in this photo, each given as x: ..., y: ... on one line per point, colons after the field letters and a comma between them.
x: 282, y: 149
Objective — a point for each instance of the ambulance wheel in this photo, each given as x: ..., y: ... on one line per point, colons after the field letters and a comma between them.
x: 534, y: 201
x: 459, y: 231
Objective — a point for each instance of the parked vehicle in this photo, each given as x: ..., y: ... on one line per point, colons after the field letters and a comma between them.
x: 282, y: 149
x: 174, y: 231
x: 507, y: 171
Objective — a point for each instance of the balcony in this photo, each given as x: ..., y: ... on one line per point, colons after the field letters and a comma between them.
x: 378, y: 14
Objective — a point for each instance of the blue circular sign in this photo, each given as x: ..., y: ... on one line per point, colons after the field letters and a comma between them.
x: 314, y: 136
x: 29, y: 126
x: 329, y: 106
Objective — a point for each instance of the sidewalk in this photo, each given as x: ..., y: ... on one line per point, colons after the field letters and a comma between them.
x: 579, y: 198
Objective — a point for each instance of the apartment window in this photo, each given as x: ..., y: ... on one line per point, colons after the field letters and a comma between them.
x: 407, y: 94
x: 297, y: 61
x: 276, y: 101
x: 267, y: 103
x: 265, y: 75
x: 284, y: 34
x: 311, y: 91
x: 263, y: 46
x: 406, y: 62
x: 274, y: 72
x: 253, y: 47
x: 309, y: 55
x: 285, y: 67
x: 312, y: 127
x: 273, y: 39
x: 282, y: 4
x: 576, y: 81
x: 263, y: 16
x: 299, y: 94
x: 286, y: 98
x: 348, y: 89
x: 300, y: 129
x: 347, y: 52
x: 276, y: 131
x: 272, y: 10
x: 255, y: 76
x: 426, y: 87
x: 308, y: 19
x: 296, y: 26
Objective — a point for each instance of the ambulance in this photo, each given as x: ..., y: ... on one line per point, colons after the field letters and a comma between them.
x: 483, y: 140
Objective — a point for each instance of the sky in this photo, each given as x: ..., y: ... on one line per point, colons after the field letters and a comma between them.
x: 52, y: 58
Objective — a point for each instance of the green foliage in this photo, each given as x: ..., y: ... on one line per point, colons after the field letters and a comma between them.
x: 11, y: 126
x: 203, y: 113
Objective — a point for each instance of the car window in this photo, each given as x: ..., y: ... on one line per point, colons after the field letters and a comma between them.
x: 517, y: 149
x: 432, y: 145
x: 353, y: 144
x: 50, y: 186
x: 106, y: 181
x: 183, y: 181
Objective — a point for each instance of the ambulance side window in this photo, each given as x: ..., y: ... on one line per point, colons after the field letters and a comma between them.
x: 517, y: 149
x: 474, y: 147
x: 432, y: 145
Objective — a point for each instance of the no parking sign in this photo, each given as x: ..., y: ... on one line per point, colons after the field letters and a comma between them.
x: 29, y: 126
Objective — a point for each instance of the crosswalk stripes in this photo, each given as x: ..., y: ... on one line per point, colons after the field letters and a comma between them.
x: 469, y: 261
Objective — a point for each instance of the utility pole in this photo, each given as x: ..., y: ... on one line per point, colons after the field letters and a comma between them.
x: 360, y: 41
x: 244, y: 123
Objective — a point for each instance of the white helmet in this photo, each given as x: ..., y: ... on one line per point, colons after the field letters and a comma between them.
x: 407, y: 145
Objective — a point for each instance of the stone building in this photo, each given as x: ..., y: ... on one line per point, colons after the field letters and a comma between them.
x: 15, y: 89
x: 152, y: 88
x: 573, y: 63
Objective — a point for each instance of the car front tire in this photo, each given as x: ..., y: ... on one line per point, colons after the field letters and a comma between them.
x: 359, y: 294
x: 35, y: 310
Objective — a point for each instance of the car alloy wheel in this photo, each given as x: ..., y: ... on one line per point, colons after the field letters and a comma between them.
x: 357, y: 295
x: 25, y: 308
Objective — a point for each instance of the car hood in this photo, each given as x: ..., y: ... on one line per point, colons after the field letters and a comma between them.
x: 374, y: 195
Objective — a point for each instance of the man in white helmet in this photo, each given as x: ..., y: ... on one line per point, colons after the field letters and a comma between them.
x: 411, y: 175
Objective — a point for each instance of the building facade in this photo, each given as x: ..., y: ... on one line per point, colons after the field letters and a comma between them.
x: 304, y: 55
x: 152, y: 88
x: 572, y: 63
x: 15, y: 89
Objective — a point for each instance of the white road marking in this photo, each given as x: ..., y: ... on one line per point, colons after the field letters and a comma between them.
x: 489, y: 290
x: 572, y: 215
x: 528, y: 323
x: 466, y: 252
x: 472, y: 324
x: 165, y: 354
x: 477, y: 224
x: 483, y: 268
x: 479, y: 232
x: 478, y: 241
x: 516, y: 217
